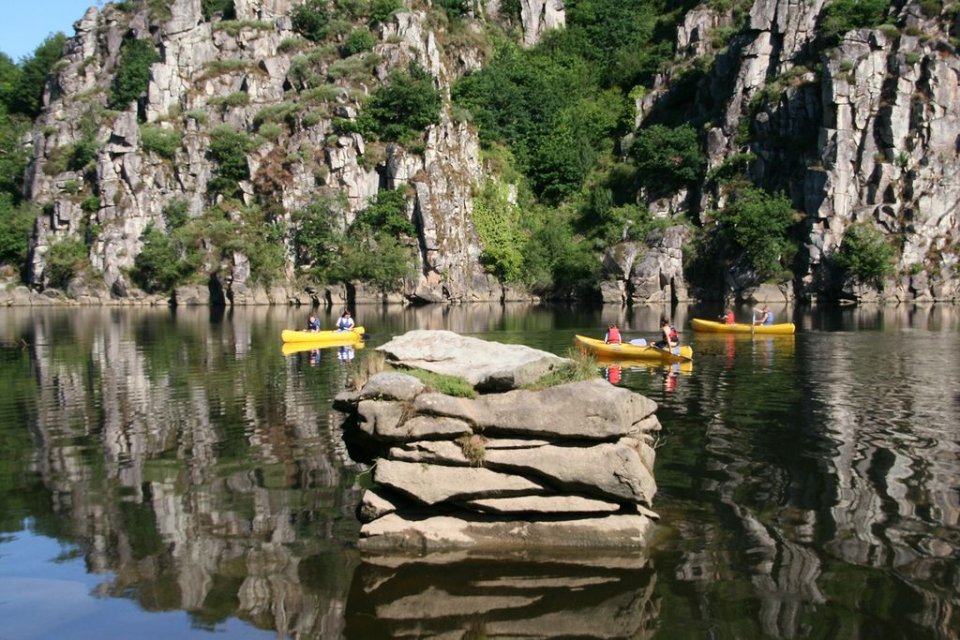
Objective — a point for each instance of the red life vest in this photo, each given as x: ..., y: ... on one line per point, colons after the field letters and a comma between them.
x: 674, y: 336
x: 613, y: 335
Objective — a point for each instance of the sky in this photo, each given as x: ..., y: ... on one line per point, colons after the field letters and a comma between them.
x: 26, y: 23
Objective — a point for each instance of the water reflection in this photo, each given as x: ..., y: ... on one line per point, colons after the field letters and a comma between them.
x: 808, y: 484
x: 471, y: 595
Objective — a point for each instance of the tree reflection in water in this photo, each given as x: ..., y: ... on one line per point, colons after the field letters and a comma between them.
x: 808, y: 485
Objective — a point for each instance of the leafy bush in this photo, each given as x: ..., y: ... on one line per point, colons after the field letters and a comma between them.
x: 16, y: 225
x: 26, y: 92
x: 376, y: 258
x: 163, y: 142
x: 380, y: 10
x: 312, y: 20
x: 501, y: 234
x: 358, y: 41
x: 318, y: 236
x: 753, y: 228
x: 865, y: 254
x: 667, y: 158
x: 176, y: 213
x: 13, y: 155
x: 158, y: 266
x: 404, y: 106
x: 64, y: 260
x: 133, y: 72
x: 842, y: 16
x: 229, y: 149
x: 387, y: 213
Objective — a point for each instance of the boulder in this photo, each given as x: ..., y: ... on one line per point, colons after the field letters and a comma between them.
x: 392, y: 385
x: 543, y: 505
x: 488, y: 366
x: 432, y: 484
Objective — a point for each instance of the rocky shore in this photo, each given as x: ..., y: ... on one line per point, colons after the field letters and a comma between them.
x: 566, y: 466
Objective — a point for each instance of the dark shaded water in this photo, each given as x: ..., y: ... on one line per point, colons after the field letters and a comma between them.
x: 174, y: 475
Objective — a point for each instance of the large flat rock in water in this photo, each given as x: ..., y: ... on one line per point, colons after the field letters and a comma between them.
x: 488, y: 366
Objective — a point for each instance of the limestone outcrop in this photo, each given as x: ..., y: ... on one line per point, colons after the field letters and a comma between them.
x: 569, y: 465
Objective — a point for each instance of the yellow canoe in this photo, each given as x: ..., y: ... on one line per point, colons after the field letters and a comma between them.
x: 290, y: 348
x: 346, y: 337
x: 709, y: 326
x: 634, y: 352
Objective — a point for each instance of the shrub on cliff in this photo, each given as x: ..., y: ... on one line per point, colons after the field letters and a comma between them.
x: 667, y: 158
x: 312, y: 20
x: 133, y: 72
x: 404, y: 106
x: 865, y: 254
x: 158, y: 266
x: 753, y: 230
x: 229, y: 148
x: 66, y: 259
x: 842, y: 16
x: 16, y: 225
x: 26, y: 91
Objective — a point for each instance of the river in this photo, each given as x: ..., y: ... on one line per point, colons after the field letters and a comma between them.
x: 172, y: 474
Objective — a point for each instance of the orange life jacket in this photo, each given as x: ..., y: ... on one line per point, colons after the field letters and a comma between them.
x: 613, y: 335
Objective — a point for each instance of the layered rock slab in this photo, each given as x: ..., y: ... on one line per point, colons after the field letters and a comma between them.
x: 567, y: 466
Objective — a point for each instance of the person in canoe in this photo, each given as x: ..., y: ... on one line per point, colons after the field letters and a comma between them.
x: 313, y: 325
x: 728, y: 317
x: 613, y: 334
x: 345, y: 323
x: 763, y: 316
x: 670, y: 339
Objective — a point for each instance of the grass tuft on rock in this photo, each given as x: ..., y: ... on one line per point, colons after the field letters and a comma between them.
x: 474, y: 448
x: 441, y: 383
x: 583, y: 366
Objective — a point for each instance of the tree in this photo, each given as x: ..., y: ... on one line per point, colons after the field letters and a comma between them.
x: 865, y: 254
x: 753, y: 228
x: 27, y: 93
x: 405, y: 105
x: 668, y: 158
x: 133, y: 72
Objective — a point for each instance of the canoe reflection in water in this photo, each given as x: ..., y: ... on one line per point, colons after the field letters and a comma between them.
x: 613, y: 371
x: 524, y: 595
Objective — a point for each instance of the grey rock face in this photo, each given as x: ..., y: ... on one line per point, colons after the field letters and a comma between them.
x: 537, y: 462
x: 486, y: 365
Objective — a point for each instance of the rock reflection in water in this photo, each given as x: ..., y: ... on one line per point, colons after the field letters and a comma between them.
x: 462, y: 594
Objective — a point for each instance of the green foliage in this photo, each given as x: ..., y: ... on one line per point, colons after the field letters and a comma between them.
x: 26, y: 92
x: 163, y: 142
x: 583, y: 366
x: 225, y: 8
x: 358, y: 41
x: 445, y: 384
x: 235, y: 99
x: 16, y: 225
x: 865, y: 254
x: 229, y: 148
x: 133, y: 72
x: 842, y: 16
x: 556, y: 260
x: 454, y: 8
x: 64, y: 260
x: 498, y: 225
x: 312, y: 20
x: 387, y: 213
x: 380, y: 10
x: 753, y: 228
x: 318, y: 236
x: 176, y: 213
x: 404, y: 105
x: 13, y: 155
x: 667, y: 158
x: 375, y: 257
x: 158, y: 266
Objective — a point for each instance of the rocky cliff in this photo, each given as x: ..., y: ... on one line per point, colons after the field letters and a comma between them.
x: 860, y: 129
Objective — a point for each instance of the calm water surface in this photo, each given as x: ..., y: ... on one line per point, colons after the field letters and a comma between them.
x: 174, y: 475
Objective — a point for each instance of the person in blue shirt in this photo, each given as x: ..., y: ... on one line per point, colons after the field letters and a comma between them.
x: 313, y: 325
x: 764, y: 316
x: 345, y: 323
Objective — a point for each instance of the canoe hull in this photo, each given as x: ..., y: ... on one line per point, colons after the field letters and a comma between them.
x: 345, y: 337
x: 633, y: 352
x: 709, y: 326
